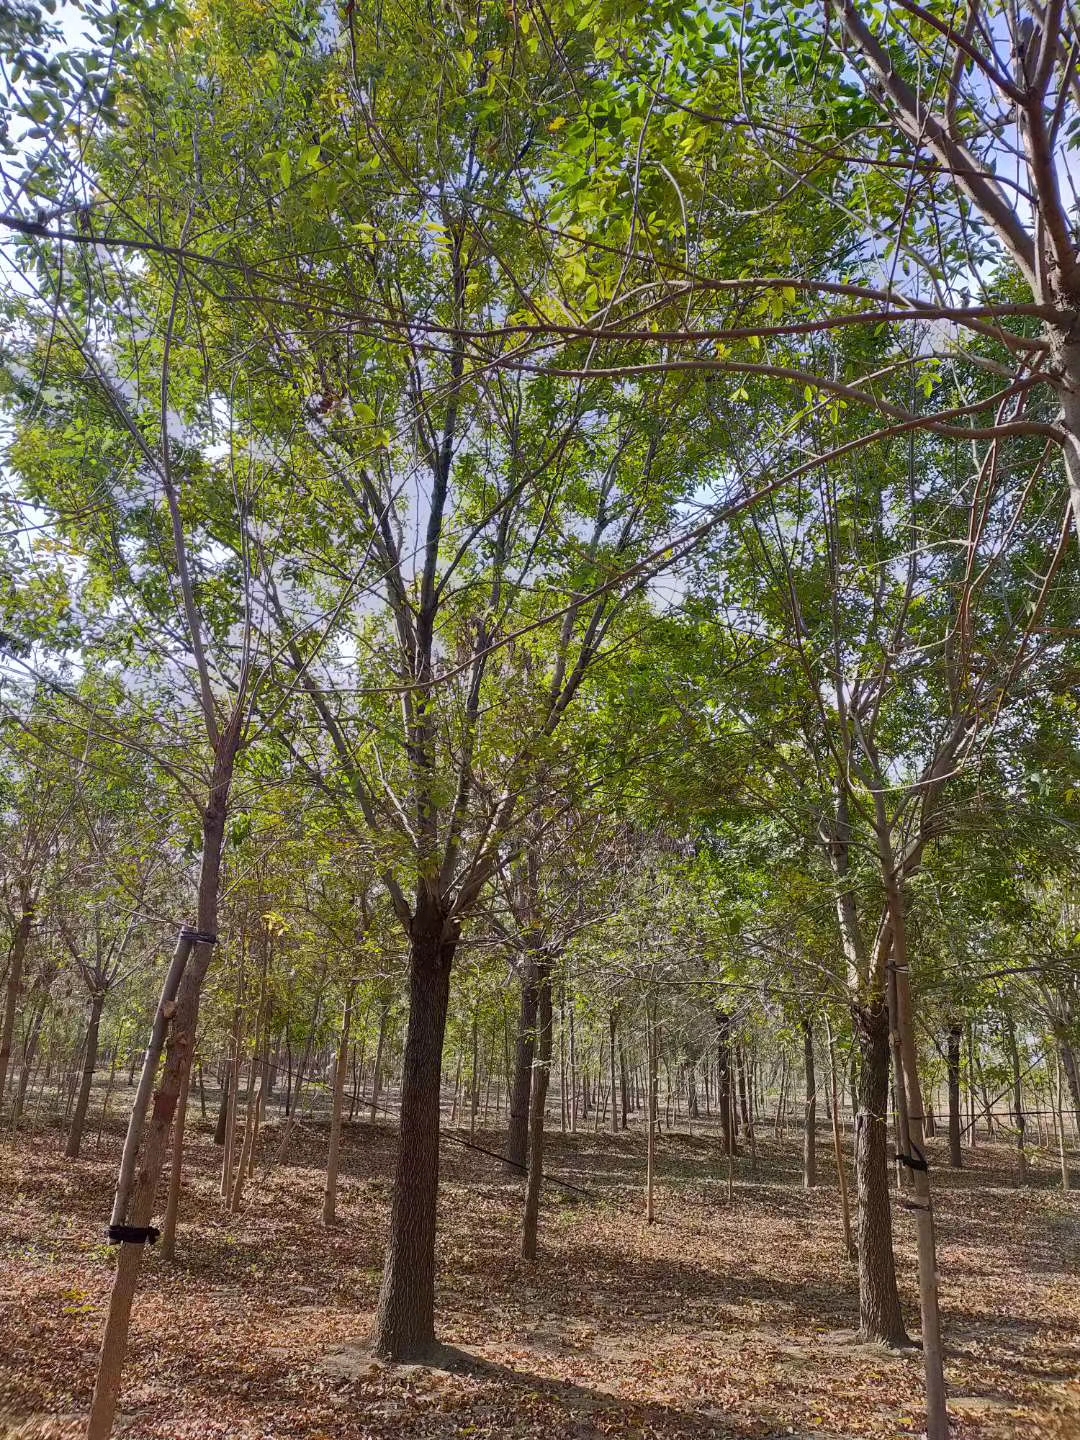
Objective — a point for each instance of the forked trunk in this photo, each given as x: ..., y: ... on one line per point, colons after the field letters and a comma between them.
x: 405, y: 1319
x: 880, y: 1316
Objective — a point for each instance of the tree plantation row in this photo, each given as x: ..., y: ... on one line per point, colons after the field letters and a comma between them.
x: 540, y: 555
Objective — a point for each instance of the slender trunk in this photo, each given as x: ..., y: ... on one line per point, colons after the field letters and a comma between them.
x: 29, y: 1056
x: 223, y: 1107
x: 108, y: 1094
x: 380, y: 1045
x: 612, y: 1023
x: 168, y: 1230
x: 838, y: 1149
x: 234, y: 1106
x: 956, y: 1154
x: 1072, y: 1075
x: 810, y: 1113
x: 911, y: 1115
x: 329, y: 1213
x: 405, y: 1320
x: 880, y: 1316
x: 1059, y: 1126
x: 1017, y: 1103
x: 177, y: 1017
x: 624, y: 1086
x: 573, y: 1072
x: 90, y: 1051
x: 474, y: 1092
x: 723, y: 1060
x: 744, y: 1104
x: 16, y: 961
x: 537, y: 1106
x: 650, y: 1151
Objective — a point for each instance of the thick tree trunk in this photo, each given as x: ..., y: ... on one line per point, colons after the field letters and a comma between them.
x: 16, y: 961
x: 405, y: 1319
x: 329, y: 1213
x: 537, y: 1107
x: 810, y: 1112
x: 955, y: 1036
x: 880, y: 1316
x: 90, y: 1052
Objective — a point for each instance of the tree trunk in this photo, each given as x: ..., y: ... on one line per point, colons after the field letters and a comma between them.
x: 90, y: 1051
x: 880, y: 1316
x: 474, y: 1081
x: 810, y: 1113
x: 376, y: 1073
x: 838, y: 1149
x: 14, y: 986
x: 405, y: 1319
x: 177, y: 1018
x: 911, y: 1114
x: 624, y: 1087
x: 223, y: 1107
x: 650, y: 1102
x: 1017, y: 1103
x: 956, y: 1035
x: 612, y: 1071
x: 1059, y: 1126
x: 537, y: 1107
x: 573, y: 1072
x: 723, y: 1058
x: 329, y: 1213
x: 172, y: 1207
x: 1072, y: 1075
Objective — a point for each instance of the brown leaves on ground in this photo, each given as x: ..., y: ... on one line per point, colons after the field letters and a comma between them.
x: 718, y: 1321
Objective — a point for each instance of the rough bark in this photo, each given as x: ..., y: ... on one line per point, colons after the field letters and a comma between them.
x: 405, y: 1319
x: 880, y: 1316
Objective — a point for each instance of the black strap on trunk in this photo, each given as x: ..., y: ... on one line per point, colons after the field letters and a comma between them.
x: 133, y: 1234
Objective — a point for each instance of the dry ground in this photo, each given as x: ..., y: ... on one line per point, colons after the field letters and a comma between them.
x: 719, y: 1321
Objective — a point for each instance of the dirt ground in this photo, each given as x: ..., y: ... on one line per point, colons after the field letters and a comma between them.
x: 718, y: 1321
